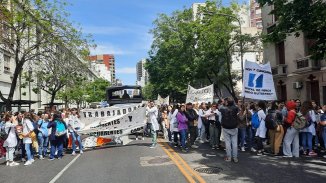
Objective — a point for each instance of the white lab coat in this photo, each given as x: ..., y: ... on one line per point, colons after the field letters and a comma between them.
x: 12, y: 138
x: 173, y: 119
x: 152, y: 117
x: 261, y: 130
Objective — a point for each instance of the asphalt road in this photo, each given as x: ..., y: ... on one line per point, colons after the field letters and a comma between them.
x: 137, y: 163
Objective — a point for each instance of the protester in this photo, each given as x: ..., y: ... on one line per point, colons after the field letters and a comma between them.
x: 192, y: 118
x: 261, y: 130
x: 57, y: 136
x: 244, y: 117
x: 43, y: 136
x: 214, y: 118
x: 203, y: 124
x: 174, y: 124
x: 28, y: 134
x: 11, y: 142
x: 165, y: 123
x: 74, y: 126
x: 275, y: 134
x: 152, y: 115
x: 230, y: 130
x: 183, y: 127
x: 291, y: 137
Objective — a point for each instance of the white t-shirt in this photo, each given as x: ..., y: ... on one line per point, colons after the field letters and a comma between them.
x: 209, y: 111
x: 27, y: 127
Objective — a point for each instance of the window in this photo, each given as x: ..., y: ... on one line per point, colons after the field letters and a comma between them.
x: 6, y: 60
x: 280, y: 50
x: 302, y: 64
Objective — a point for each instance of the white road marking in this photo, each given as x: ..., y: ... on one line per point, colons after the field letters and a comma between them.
x: 64, y: 169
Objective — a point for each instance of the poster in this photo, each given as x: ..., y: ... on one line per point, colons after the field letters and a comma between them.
x: 205, y: 94
x: 258, y: 82
x: 162, y: 101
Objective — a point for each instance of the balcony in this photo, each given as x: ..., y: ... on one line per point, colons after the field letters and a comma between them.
x: 280, y: 71
x: 306, y: 64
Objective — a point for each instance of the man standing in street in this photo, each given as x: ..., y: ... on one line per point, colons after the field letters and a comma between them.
x: 192, y: 117
x: 152, y: 113
x: 230, y: 130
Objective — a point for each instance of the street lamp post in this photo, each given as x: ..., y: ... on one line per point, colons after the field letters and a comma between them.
x: 240, y: 32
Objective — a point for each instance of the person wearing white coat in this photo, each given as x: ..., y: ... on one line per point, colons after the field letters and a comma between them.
x: 261, y: 130
x: 11, y: 142
x: 152, y: 112
x: 174, y: 124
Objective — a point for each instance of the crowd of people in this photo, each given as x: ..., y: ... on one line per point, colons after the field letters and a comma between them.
x: 26, y: 135
x: 289, y: 128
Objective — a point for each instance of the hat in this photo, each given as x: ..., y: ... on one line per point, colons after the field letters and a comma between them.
x: 189, y: 103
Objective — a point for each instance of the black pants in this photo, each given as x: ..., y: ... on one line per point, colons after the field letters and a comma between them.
x: 175, y: 137
x: 260, y: 145
x: 193, y: 134
x: 206, y: 125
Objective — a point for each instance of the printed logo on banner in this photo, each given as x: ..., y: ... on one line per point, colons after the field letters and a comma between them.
x: 254, y: 81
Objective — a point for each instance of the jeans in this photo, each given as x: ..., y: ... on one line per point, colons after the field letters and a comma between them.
x: 324, y: 135
x: 242, y: 135
x: 231, y: 142
x: 154, y: 135
x: 43, y: 145
x: 307, y: 141
x: 76, y: 137
x: 213, y: 131
x: 28, y: 152
x: 291, y: 138
x: 250, y: 137
x: 56, y: 145
x: 10, y: 153
x: 183, y: 136
x: 202, y: 132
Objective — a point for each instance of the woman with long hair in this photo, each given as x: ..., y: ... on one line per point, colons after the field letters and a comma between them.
x: 244, y: 117
x: 261, y: 130
x: 11, y: 142
x: 28, y: 135
x: 182, y: 126
x: 174, y: 124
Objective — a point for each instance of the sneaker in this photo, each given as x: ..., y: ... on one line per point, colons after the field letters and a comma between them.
x: 143, y: 138
x: 153, y: 146
x: 81, y: 152
x: 59, y: 157
x: 7, y: 164
x: 32, y: 160
x: 23, y: 159
x: 236, y: 160
x: 13, y: 164
x: 201, y: 141
x: 259, y: 153
x: 41, y: 157
x: 312, y: 153
x: 51, y: 159
x: 136, y: 138
x: 73, y: 153
x: 243, y: 149
x: 194, y: 146
x: 253, y: 150
x: 28, y: 163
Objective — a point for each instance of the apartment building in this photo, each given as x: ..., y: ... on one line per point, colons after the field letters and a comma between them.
x: 105, y: 65
x: 296, y: 75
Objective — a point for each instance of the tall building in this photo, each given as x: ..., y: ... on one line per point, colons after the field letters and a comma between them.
x: 104, y: 65
x: 142, y: 74
x: 255, y: 15
x: 296, y: 75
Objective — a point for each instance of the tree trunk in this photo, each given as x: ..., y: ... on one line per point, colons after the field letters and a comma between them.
x: 52, y: 98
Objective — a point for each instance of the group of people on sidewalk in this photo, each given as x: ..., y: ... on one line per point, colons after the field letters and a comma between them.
x: 32, y: 135
x: 289, y: 128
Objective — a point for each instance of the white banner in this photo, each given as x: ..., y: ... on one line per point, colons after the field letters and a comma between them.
x: 205, y: 94
x: 258, y: 82
x: 162, y: 101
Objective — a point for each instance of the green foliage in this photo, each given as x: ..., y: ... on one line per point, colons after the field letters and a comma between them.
x: 296, y: 17
x: 197, y: 52
x: 149, y: 92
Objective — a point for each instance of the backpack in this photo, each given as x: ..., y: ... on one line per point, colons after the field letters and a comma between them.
x: 255, y: 122
x: 60, y: 129
x: 228, y: 119
x: 3, y: 134
x: 301, y: 121
x: 271, y: 121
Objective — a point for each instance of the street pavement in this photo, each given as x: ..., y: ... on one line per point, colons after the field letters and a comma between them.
x: 137, y: 163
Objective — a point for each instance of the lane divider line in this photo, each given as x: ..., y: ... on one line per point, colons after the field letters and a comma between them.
x: 179, y: 161
x: 64, y: 169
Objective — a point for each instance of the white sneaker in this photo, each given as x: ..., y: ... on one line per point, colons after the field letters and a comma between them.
x: 7, y: 164
x: 41, y: 157
x: 136, y: 138
x: 28, y: 163
x: 73, y: 153
x: 143, y: 138
x: 194, y: 146
x: 32, y: 160
x: 243, y: 149
x: 13, y: 164
x: 201, y: 141
x: 81, y: 152
x: 253, y: 150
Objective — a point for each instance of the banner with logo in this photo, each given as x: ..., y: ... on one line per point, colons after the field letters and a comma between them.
x: 205, y: 94
x: 162, y: 101
x: 258, y: 82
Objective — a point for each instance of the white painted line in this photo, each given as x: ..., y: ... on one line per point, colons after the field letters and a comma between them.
x: 63, y: 170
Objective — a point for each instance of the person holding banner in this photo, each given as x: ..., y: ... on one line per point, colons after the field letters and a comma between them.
x: 152, y: 112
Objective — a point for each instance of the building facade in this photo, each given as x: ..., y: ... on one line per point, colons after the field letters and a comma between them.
x: 255, y: 15
x: 104, y: 65
x: 142, y: 74
x: 296, y: 75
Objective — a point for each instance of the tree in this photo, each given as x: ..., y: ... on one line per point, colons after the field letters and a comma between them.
x: 296, y: 17
x: 31, y: 30
x: 96, y: 90
x: 149, y: 92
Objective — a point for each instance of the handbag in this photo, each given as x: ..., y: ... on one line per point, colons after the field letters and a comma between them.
x: 31, y: 135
